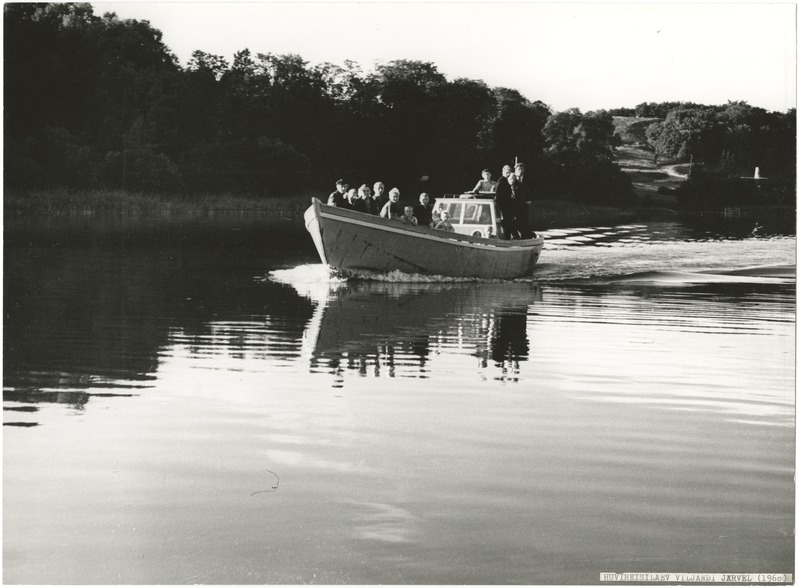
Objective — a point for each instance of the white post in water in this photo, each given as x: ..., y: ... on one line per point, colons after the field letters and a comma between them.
x: 757, y: 173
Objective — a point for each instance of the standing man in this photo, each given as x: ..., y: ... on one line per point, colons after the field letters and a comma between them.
x: 503, y: 180
x: 525, y: 196
x: 337, y: 197
x: 503, y: 197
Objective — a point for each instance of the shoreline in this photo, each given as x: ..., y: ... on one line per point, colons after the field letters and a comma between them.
x: 545, y: 214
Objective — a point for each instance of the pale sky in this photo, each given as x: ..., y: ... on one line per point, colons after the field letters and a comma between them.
x: 586, y: 55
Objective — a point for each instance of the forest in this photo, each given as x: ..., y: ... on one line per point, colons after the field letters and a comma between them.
x: 97, y: 102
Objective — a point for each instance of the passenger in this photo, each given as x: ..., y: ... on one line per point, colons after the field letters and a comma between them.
x: 408, y: 217
x: 424, y: 210
x: 380, y: 194
x: 436, y: 214
x: 370, y: 205
x: 524, y: 197
x: 336, y: 198
x: 508, y: 199
x: 486, y: 184
x: 503, y: 196
x: 354, y: 201
x: 444, y: 224
x: 503, y: 180
x: 392, y: 208
x: 519, y: 172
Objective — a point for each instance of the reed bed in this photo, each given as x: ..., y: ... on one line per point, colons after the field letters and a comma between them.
x: 60, y: 202
x: 289, y: 207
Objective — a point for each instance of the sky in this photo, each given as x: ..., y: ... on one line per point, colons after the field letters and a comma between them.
x: 589, y: 56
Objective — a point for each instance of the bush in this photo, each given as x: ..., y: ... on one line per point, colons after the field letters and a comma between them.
x: 140, y: 170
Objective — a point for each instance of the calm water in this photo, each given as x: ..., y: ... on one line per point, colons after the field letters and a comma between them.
x: 202, y: 402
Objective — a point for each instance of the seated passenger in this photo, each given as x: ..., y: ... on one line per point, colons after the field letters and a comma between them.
x: 354, y: 202
x: 408, y: 217
x: 336, y: 198
x: 424, y: 210
x: 444, y: 224
x: 486, y: 184
x: 380, y: 195
x: 436, y: 214
x: 393, y: 209
x: 371, y: 205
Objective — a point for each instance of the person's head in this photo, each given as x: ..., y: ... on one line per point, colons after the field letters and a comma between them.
x: 364, y: 192
x: 444, y: 215
x: 352, y: 194
x: 393, y: 195
x: 379, y: 188
x: 519, y: 169
x: 486, y: 175
x: 409, y: 211
x: 341, y: 186
x: 506, y: 169
x: 424, y: 198
x: 512, y: 179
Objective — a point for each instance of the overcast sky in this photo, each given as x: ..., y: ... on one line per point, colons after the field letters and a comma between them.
x: 584, y: 55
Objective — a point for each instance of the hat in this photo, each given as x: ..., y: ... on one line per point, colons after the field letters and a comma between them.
x: 339, y: 182
x: 485, y: 171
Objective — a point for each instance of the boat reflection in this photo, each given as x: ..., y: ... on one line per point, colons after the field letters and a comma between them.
x: 393, y: 329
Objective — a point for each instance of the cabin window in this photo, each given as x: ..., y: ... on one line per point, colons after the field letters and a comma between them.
x: 477, y: 214
x: 455, y: 209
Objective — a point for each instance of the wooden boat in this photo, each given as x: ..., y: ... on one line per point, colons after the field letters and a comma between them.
x: 349, y: 240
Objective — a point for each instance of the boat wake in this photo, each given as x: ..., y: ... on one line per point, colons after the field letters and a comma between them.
x: 779, y: 274
x: 752, y: 261
x: 312, y: 275
x: 673, y: 263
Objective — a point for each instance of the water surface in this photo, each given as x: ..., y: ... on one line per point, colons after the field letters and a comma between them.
x: 203, y: 402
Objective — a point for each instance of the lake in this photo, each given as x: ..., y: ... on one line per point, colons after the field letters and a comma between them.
x: 200, y: 401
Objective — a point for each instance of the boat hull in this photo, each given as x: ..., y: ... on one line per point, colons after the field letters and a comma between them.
x: 348, y: 240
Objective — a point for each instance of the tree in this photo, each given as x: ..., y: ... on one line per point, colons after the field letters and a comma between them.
x: 514, y: 131
x: 570, y: 133
x: 579, y: 163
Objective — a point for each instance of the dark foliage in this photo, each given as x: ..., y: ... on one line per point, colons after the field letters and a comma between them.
x: 99, y: 102
x: 713, y: 189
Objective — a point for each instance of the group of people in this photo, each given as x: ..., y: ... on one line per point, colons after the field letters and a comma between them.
x: 511, y: 192
x: 377, y: 202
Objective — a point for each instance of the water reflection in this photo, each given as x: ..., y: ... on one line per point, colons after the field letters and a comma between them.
x: 520, y: 432
x: 83, y: 322
x: 392, y: 329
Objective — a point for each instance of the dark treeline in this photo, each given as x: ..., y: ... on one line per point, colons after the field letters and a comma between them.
x: 726, y: 143
x: 97, y: 102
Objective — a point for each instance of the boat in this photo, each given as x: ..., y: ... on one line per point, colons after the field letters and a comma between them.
x: 353, y: 241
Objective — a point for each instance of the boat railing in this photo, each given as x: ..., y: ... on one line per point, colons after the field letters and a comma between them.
x: 467, y: 195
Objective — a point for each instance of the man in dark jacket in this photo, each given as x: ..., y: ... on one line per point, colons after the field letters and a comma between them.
x: 337, y: 197
x: 525, y: 196
x: 505, y: 203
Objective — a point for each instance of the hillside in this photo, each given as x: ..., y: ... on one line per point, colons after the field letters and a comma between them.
x: 650, y: 181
